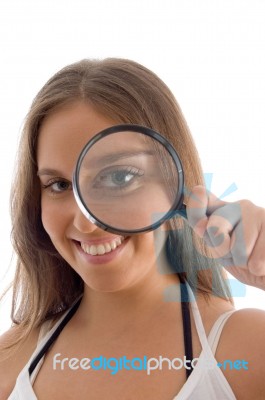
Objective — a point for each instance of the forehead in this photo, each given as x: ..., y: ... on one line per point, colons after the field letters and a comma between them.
x: 65, y: 132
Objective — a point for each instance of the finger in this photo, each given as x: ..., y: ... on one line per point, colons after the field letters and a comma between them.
x: 200, y: 205
x: 241, y: 247
x: 197, y: 215
x: 196, y: 208
x: 240, y: 225
x: 213, y: 220
x: 246, y: 233
x: 221, y: 224
x: 256, y: 262
x: 200, y: 197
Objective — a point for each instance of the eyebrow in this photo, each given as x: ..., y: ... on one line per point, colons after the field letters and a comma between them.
x: 49, y: 172
x: 108, y: 158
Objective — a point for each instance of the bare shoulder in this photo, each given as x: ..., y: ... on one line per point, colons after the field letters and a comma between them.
x: 12, y: 361
x: 242, y: 342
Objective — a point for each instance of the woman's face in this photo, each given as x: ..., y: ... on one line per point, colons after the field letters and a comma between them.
x: 105, y: 261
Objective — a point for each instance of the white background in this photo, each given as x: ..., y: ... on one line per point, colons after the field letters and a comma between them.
x: 210, y: 53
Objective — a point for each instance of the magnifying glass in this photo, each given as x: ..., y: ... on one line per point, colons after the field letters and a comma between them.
x: 129, y: 179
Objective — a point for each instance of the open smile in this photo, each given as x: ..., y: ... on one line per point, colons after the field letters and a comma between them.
x: 101, y: 252
x: 102, y: 248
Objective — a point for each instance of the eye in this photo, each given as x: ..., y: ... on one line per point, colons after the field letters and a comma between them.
x: 57, y: 186
x: 118, y: 177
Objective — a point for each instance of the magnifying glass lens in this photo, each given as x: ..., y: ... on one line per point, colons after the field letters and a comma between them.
x: 127, y: 181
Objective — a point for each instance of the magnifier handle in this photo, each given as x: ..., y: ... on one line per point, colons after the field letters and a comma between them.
x: 182, y: 211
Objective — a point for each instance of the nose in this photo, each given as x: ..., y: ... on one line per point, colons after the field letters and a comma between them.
x: 82, y: 223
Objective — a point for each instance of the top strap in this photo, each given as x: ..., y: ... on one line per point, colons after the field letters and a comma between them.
x: 54, y: 336
x: 209, y: 344
x: 215, y: 333
x: 199, y: 325
x: 185, y: 308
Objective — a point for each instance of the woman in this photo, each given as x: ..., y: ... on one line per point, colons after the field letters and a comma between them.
x: 136, y: 300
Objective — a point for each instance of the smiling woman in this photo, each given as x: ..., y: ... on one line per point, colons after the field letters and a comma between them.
x: 81, y: 290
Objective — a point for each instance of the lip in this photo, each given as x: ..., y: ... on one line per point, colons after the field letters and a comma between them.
x: 100, y: 259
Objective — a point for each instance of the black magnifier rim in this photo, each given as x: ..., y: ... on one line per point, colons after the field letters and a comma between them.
x: 137, y: 129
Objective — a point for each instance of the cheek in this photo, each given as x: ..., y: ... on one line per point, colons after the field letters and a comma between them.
x: 151, y: 244
x: 53, y: 218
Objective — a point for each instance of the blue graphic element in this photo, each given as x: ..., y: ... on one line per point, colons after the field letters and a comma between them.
x: 208, y: 178
x: 231, y: 189
x: 238, y: 289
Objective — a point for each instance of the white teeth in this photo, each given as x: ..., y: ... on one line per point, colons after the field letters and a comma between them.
x: 102, y: 248
x: 113, y: 245
x: 93, y: 250
x: 107, y: 247
x: 118, y: 241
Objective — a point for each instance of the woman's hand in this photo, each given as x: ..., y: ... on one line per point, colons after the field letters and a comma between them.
x: 235, y: 233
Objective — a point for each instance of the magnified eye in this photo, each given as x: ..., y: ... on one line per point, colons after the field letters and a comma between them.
x: 117, y: 177
x: 128, y: 178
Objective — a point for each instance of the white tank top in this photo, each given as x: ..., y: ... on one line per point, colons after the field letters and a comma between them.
x: 202, y: 384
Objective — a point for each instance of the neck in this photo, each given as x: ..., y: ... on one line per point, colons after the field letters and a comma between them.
x: 140, y: 302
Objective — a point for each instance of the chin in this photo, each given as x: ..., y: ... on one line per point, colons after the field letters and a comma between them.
x: 106, y: 286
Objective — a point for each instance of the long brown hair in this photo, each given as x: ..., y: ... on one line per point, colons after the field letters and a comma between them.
x: 45, y: 285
